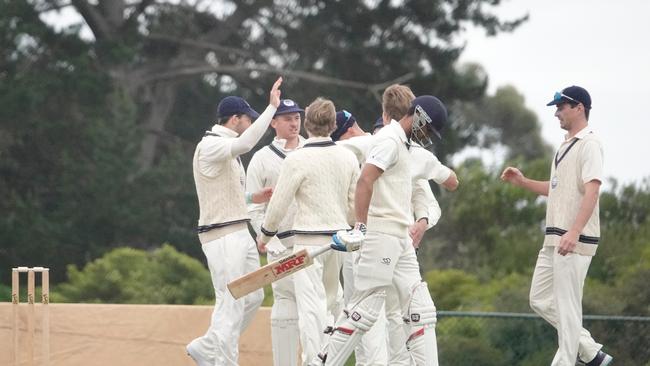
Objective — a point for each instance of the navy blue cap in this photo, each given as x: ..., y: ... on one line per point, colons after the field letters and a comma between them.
x: 344, y: 120
x: 379, y: 123
x: 435, y: 110
x: 572, y: 94
x: 230, y: 106
x: 288, y: 106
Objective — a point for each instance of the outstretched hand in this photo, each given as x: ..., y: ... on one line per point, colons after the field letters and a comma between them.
x: 274, y: 98
x: 512, y: 175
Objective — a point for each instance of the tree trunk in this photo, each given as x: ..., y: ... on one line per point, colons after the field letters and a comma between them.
x: 160, y: 98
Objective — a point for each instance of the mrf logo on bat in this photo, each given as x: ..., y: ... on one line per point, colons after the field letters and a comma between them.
x: 289, y: 263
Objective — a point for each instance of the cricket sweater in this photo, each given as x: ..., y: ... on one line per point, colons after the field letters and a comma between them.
x: 219, y: 178
x: 321, y: 177
x: 577, y: 161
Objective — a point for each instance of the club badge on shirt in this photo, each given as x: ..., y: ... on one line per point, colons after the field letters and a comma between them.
x: 554, y: 182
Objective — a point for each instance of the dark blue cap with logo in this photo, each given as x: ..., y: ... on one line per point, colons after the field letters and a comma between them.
x: 435, y: 110
x: 230, y: 106
x: 344, y: 120
x: 572, y: 94
x: 288, y: 106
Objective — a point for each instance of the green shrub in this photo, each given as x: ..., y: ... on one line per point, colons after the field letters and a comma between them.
x: 126, y: 275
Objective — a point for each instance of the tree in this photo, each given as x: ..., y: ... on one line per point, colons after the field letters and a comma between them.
x: 349, y: 49
x: 502, y: 119
x: 486, y: 221
x: 491, y: 341
x: 487, y: 227
x: 62, y: 168
x: 97, y: 132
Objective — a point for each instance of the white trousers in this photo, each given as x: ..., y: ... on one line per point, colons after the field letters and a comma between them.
x: 332, y: 280
x: 389, y: 264
x: 397, y: 330
x: 556, y: 295
x: 372, y: 350
x: 229, y: 257
x: 313, y: 298
x: 285, y: 336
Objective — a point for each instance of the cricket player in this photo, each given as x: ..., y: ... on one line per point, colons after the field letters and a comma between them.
x: 372, y: 349
x: 263, y: 171
x: 226, y: 242
x: 396, y: 101
x: 572, y: 229
x: 387, y: 257
x: 321, y: 178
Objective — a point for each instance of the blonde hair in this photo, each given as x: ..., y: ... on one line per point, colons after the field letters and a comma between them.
x: 320, y: 117
x: 396, y: 101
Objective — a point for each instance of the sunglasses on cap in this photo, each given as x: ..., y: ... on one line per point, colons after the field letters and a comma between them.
x: 558, y: 96
x: 348, y: 121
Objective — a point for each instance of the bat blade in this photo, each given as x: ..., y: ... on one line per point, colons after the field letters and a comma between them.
x: 273, y: 271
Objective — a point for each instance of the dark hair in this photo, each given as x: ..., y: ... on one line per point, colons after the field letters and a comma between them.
x: 223, y: 120
x: 574, y: 104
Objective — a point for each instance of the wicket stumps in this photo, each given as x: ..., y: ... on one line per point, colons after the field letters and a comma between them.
x: 31, y: 313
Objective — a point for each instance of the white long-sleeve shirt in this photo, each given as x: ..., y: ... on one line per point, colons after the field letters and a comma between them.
x: 321, y: 177
x: 219, y: 177
x: 264, y: 171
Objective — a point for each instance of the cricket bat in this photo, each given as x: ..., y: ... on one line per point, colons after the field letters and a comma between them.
x: 274, y: 271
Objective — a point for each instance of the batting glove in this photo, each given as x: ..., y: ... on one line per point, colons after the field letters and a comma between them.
x: 275, y: 248
x: 349, y: 240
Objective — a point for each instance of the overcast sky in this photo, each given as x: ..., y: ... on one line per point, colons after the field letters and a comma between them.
x: 603, y: 46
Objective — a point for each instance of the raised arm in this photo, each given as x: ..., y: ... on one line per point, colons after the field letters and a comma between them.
x: 254, y: 133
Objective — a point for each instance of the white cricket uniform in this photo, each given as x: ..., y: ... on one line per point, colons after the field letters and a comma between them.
x: 321, y: 178
x: 372, y: 348
x: 557, y: 284
x: 229, y: 249
x: 387, y: 259
x: 263, y: 171
x: 425, y: 166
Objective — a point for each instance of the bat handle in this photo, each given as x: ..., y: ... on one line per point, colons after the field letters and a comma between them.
x: 320, y: 250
